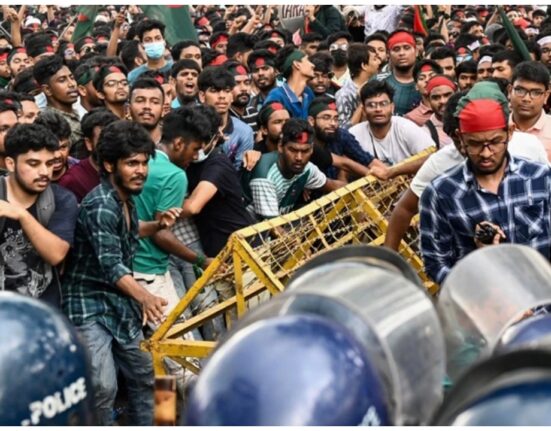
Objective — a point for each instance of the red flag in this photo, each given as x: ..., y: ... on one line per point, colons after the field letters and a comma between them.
x: 419, y: 24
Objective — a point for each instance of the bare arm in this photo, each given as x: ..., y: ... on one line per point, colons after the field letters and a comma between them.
x: 332, y: 185
x: 400, y: 219
x: 202, y: 194
x: 408, y: 168
x: 152, y: 305
x: 115, y: 34
x: 349, y: 165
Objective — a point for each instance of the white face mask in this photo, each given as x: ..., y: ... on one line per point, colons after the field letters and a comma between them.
x: 202, y: 156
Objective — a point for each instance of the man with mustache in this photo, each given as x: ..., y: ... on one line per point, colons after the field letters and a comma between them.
x: 112, y: 88
x: 37, y: 218
x: 242, y: 90
x: 146, y: 106
x: 262, y: 66
x: 492, y: 188
x: 183, y: 77
x: 60, y: 88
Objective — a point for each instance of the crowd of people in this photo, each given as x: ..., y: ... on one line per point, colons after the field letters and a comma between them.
x: 127, y: 162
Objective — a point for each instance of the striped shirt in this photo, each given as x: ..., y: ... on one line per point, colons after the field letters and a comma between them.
x: 453, y: 204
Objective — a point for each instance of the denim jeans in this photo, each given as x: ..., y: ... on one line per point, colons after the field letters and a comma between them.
x: 106, y: 355
x: 184, y: 277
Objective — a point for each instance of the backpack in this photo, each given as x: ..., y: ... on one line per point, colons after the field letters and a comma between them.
x: 433, y: 133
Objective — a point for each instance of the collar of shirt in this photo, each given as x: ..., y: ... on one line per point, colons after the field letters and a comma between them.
x: 110, y: 190
x: 436, y: 121
x: 536, y: 127
x: 424, y: 109
x: 228, y: 130
x: 291, y: 94
x: 468, y: 174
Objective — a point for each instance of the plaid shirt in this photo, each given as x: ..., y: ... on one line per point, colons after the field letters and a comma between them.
x: 453, y: 204
x: 102, y: 255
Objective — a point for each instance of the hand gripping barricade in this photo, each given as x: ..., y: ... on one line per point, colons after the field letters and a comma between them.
x: 354, y: 340
x: 486, y: 293
x: 505, y: 390
x: 44, y: 374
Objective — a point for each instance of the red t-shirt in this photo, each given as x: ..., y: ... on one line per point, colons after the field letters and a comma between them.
x: 80, y: 179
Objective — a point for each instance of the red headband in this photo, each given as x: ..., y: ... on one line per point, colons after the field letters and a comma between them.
x: 4, y: 57
x: 272, y: 49
x: 219, y: 60
x: 438, y: 81
x: 400, y: 37
x: 332, y: 106
x: 259, y: 62
x: 202, y: 22
x: 302, y: 138
x: 114, y: 69
x: 426, y: 68
x: 159, y: 79
x: 482, y: 115
x: 219, y: 39
x: 240, y: 70
x: 276, y: 106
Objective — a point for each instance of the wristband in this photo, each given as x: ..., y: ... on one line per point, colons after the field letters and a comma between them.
x: 200, y: 260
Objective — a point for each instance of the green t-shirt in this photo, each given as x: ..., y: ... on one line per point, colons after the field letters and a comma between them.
x: 165, y: 187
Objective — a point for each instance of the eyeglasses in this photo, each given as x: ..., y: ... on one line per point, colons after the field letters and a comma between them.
x: 476, y: 149
x: 335, y: 46
x: 375, y: 105
x: 112, y: 83
x: 534, y: 93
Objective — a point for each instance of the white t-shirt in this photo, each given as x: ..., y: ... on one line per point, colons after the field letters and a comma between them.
x: 403, y: 140
x: 521, y: 144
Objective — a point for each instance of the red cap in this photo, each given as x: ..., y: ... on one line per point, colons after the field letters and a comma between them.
x: 482, y: 115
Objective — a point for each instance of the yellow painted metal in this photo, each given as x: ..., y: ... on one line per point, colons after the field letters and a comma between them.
x: 255, y: 262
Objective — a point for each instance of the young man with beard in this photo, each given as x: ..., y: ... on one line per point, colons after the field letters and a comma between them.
x: 466, y: 74
x: 187, y: 50
x: 388, y: 137
x: 146, y: 106
x: 403, y: 53
x: 242, y: 90
x: 60, y: 128
x: 438, y: 90
x: 183, y: 77
x: 527, y: 95
x: 100, y: 296
x: 215, y: 89
x: 335, y: 144
x: 88, y: 96
x: 37, y: 219
x: 294, y: 94
x: 112, y: 88
x: 322, y: 84
x: 8, y: 119
x: 276, y: 183
x: 363, y: 64
x: 422, y: 72
x: 262, y: 66
x: 84, y: 176
x: 18, y: 61
x: 60, y: 88
x: 338, y: 48
x: 271, y: 119
x: 490, y: 187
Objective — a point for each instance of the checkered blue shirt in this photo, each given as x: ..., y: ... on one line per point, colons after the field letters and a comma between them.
x: 453, y: 204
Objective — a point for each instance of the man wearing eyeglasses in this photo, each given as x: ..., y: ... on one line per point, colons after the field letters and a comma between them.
x: 528, y: 93
x: 508, y: 195
x: 112, y: 88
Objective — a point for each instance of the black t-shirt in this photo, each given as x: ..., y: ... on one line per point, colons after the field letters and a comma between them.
x: 225, y: 213
x: 322, y: 158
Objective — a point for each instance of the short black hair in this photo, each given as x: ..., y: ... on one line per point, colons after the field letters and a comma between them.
x: 186, y: 63
x: 419, y: 65
x: 466, y: 27
x: 443, y: 52
x: 339, y: 35
x: 129, y: 51
x: 6, y: 106
x: 280, y: 58
x: 215, y: 77
x: 47, y: 67
x: 24, y: 82
x: 23, y: 138
x: 322, y: 61
x: 240, y: 43
x: 54, y: 122
x: 180, y: 46
x: 146, y: 83
x: 187, y: 123
x: 260, y: 53
x: 532, y: 71
x: 96, y: 117
x: 36, y: 42
x: 508, y: 55
x: 311, y: 37
x: 147, y: 25
x: 381, y: 37
x: 294, y: 127
x: 374, y: 88
x: 464, y: 40
x: 468, y: 66
x: 358, y: 54
x: 123, y: 139
x: 451, y: 122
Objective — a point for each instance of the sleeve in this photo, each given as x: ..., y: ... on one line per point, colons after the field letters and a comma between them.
x: 436, y: 236
x: 424, y: 176
x: 102, y: 230
x: 246, y: 143
x: 417, y: 138
x: 343, y: 108
x: 64, y: 219
x: 264, y: 196
x: 316, y: 178
x: 172, y: 192
x: 354, y: 151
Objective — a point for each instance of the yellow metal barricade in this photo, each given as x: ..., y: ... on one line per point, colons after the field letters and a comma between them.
x: 258, y: 260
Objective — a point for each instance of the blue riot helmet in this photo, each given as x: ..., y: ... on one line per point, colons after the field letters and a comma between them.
x: 44, y: 374
x: 532, y: 332
x: 289, y: 370
x: 511, y: 389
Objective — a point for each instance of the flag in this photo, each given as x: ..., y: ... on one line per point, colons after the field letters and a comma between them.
x: 85, y: 21
x: 516, y: 40
x: 177, y: 20
x: 419, y: 24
